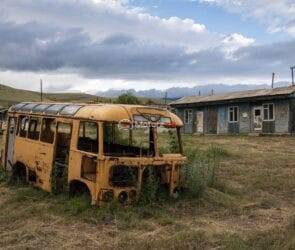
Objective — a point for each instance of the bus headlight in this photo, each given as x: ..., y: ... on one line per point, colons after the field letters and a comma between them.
x: 107, y: 195
x: 123, y: 197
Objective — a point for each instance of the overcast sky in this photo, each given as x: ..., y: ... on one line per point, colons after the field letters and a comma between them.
x: 91, y: 45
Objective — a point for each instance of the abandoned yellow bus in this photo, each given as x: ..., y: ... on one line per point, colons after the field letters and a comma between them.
x: 105, y: 149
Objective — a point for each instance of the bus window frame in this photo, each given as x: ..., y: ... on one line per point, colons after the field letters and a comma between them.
x: 80, y: 121
x: 29, y: 126
x: 19, y: 120
x: 54, y: 132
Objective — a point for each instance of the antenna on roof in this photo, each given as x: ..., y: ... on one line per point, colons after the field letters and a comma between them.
x: 273, y: 79
x: 292, y: 72
x: 41, y: 90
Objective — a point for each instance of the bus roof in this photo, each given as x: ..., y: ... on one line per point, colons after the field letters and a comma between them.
x: 99, y: 112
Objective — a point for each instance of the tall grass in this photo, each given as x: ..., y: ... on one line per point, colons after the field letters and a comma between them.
x: 3, y: 176
x: 200, y: 169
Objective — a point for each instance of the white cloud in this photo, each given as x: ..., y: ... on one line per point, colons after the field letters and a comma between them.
x: 277, y: 15
x: 233, y: 42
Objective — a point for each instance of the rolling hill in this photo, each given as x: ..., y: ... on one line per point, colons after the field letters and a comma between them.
x: 9, y: 96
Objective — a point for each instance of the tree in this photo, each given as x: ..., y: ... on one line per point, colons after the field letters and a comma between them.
x: 127, y: 98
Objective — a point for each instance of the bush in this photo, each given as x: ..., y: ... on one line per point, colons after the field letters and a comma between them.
x: 200, y: 169
x: 150, y: 188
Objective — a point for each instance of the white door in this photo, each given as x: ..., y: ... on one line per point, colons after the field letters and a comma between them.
x: 200, y: 122
x: 11, y: 130
x: 257, y: 118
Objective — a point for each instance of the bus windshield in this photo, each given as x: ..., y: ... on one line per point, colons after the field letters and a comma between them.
x: 128, y: 142
x: 139, y: 141
x: 168, y: 141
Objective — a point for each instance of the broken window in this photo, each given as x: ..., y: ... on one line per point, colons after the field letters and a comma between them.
x: 268, y: 112
x: 88, y: 167
x: 48, y: 129
x: 168, y: 140
x: 123, y: 176
x: 188, y: 116
x: 88, y: 137
x: 128, y: 142
x: 233, y: 114
x: 63, y: 141
x: 23, y: 125
x: 34, y: 128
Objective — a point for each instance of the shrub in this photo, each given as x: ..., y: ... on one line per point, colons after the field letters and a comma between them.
x: 150, y: 188
x: 200, y: 169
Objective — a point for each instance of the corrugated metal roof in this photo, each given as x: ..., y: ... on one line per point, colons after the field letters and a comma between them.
x: 236, y: 95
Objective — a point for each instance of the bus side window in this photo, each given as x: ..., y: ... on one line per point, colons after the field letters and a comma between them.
x: 23, y: 124
x: 88, y: 137
x: 48, y: 129
x: 34, y: 128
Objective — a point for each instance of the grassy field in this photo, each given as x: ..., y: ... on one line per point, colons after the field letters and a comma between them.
x: 249, y: 205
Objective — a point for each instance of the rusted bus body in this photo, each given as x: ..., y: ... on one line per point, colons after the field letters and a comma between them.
x: 75, y: 146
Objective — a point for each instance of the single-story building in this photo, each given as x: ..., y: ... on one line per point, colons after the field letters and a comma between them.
x: 262, y: 111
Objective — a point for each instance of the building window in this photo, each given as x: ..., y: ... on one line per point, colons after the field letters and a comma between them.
x: 268, y: 112
x: 188, y: 116
x: 233, y: 114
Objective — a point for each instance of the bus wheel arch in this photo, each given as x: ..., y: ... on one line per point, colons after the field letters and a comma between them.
x: 79, y: 188
x: 19, y: 173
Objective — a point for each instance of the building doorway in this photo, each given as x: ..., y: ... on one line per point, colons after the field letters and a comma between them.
x: 257, y: 121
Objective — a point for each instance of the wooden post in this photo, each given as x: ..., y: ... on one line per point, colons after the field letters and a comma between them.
x: 41, y: 90
x: 292, y: 72
x: 166, y: 98
x: 272, y: 80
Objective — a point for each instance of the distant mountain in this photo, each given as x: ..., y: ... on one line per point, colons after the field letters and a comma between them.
x: 178, y: 92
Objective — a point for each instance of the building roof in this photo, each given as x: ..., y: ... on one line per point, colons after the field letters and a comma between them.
x: 98, y: 112
x: 236, y: 96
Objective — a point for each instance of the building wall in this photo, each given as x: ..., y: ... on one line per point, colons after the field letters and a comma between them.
x: 282, y: 116
x: 187, y: 128
x: 244, y: 118
x: 222, y: 127
x: 292, y: 116
x: 284, y: 111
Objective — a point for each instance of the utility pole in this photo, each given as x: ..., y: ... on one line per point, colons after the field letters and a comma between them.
x: 292, y: 72
x: 273, y: 79
x: 166, y: 98
x: 41, y: 90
